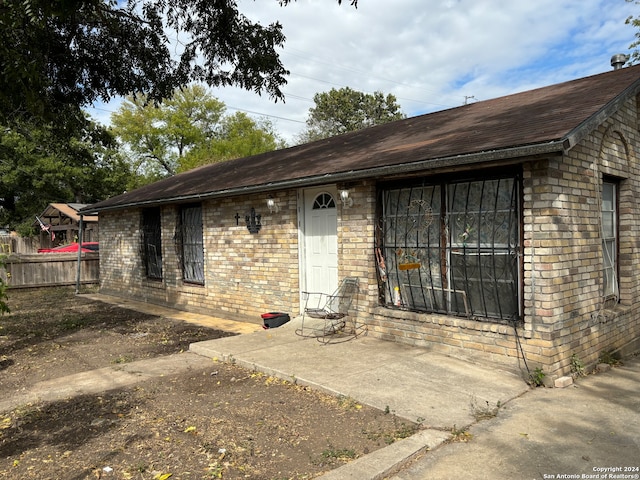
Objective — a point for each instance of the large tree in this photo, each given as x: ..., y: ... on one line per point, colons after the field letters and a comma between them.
x: 57, y: 56
x: 157, y: 136
x: 346, y: 110
x: 239, y: 136
x: 188, y: 130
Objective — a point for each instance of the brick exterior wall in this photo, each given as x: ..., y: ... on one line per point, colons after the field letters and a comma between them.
x: 564, y: 310
x: 564, y: 302
x: 565, y: 313
x: 356, y: 244
x: 245, y: 274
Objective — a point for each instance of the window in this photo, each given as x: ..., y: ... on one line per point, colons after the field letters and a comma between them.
x: 152, y: 243
x: 452, y: 247
x: 324, y: 200
x: 609, y: 213
x: 191, y: 245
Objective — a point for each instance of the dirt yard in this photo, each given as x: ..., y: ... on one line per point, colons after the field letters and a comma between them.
x: 220, y: 422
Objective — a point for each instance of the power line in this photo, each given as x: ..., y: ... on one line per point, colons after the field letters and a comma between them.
x: 309, y: 57
x: 299, y: 97
x: 240, y: 110
x: 364, y: 91
x: 265, y: 114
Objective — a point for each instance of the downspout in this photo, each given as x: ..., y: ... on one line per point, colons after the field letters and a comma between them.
x: 79, y: 267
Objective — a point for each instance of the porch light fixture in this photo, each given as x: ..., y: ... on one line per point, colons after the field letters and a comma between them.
x: 272, y: 205
x: 347, y: 201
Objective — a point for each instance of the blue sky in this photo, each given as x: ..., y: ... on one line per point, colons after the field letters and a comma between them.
x: 430, y: 54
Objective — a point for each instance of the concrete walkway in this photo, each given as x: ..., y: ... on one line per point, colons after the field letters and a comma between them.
x: 414, y: 383
x: 189, y: 317
x: 581, y: 430
x: 588, y: 430
x: 437, y: 391
x: 594, y: 424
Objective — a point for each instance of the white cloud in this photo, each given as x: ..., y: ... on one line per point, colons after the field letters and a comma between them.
x: 431, y: 54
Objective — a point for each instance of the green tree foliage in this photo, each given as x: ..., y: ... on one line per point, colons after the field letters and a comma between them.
x: 239, y: 136
x: 187, y: 131
x: 634, y: 21
x: 57, y: 56
x: 40, y: 164
x: 56, y: 53
x: 347, y: 110
x: 158, y: 136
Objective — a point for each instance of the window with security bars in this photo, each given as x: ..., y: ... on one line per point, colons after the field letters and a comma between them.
x: 609, y: 212
x: 152, y: 243
x: 190, y: 243
x: 452, y: 248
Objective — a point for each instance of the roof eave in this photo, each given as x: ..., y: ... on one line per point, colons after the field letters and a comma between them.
x: 578, y: 134
x: 557, y: 146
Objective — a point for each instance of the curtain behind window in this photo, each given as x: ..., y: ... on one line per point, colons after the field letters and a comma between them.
x: 452, y: 248
x: 192, y: 245
x: 152, y: 242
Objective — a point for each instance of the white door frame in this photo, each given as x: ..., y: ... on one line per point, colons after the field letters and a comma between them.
x: 302, y: 228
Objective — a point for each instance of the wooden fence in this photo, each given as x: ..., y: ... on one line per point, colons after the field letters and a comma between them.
x: 50, y: 269
x: 22, y: 245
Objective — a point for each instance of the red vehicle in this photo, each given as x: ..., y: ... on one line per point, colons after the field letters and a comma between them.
x: 72, y: 247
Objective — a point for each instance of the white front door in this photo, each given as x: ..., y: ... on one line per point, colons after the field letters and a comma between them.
x: 320, y: 272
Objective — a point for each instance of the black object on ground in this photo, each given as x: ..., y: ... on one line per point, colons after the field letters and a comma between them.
x: 274, y: 319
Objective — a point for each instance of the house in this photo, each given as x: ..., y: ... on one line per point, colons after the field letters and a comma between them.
x: 506, y: 229
x: 59, y: 224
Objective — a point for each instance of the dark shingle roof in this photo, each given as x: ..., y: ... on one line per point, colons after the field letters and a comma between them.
x: 543, y: 120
